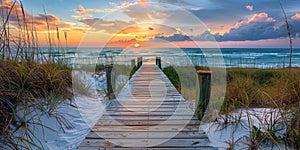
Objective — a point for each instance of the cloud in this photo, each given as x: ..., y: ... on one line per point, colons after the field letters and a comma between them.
x: 174, y: 38
x: 249, y: 7
x: 82, y: 12
x: 195, y: 8
x: 112, y: 3
x: 126, y: 4
x: 141, y: 13
x: 38, y: 22
x: 137, y: 13
x: 100, y: 10
x: 296, y: 16
x: 225, y: 13
x: 205, y: 36
x: 176, y: 2
x: 261, y: 17
x: 106, y: 25
x: 259, y: 27
x: 50, y: 18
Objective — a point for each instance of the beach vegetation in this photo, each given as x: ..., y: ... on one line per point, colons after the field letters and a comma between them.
x: 30, y: 83
x: 275, y: 88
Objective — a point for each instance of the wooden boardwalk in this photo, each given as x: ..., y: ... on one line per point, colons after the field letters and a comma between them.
x: 149, y: 114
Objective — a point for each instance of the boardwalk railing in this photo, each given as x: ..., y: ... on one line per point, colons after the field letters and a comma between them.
x: 110, y: 77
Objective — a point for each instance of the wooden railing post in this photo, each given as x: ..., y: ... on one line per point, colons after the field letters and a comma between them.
x: 203, y: 92
x: 133, y: 63
x: 140, y: 61
x: 109, y: 83
x: 159, y: 62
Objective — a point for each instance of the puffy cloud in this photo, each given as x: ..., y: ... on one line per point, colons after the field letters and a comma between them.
x: 261, y: 17
x: 296, y: 16
x: 225, y: 13
x: 249, y: 7
x: 251, y: 31
x: 205, y: 36
x: 259, y: 27
x: 125, y: 4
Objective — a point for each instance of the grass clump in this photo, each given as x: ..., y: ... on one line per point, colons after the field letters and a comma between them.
x: 173, y: 77
x: 259, y: 87
x: 31, y: 85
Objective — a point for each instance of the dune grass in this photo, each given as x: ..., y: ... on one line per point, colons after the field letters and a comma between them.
x: 30, y: 85
x: 260, y: 88
x: 252, y: 87
x: 28, y: 80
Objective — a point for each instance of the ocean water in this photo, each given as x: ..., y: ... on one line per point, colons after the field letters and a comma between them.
x: 224, y: 57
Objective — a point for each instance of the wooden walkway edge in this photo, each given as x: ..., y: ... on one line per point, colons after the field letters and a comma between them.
x: 148, y: 114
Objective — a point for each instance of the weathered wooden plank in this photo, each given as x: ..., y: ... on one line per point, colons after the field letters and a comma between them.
x: 146, y: 117
x: 158, y: 148
x: 169, y: 92
x: 147, y: 109
x: 162, y: 148
x: 112, y: 122
x: 147, y: 103
x: 149, y: 106
x: 143, y: 135
x: 192, y: 128
x: 140, y: 102
x: 145, y: 142
x: 152, y: 99
x: 128, y: 113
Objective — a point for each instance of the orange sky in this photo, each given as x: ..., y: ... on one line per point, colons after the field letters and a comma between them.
x: 130, y: 22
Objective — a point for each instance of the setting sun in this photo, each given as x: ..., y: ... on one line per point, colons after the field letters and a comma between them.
x: 143, y: 1
x: 136, y: 45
